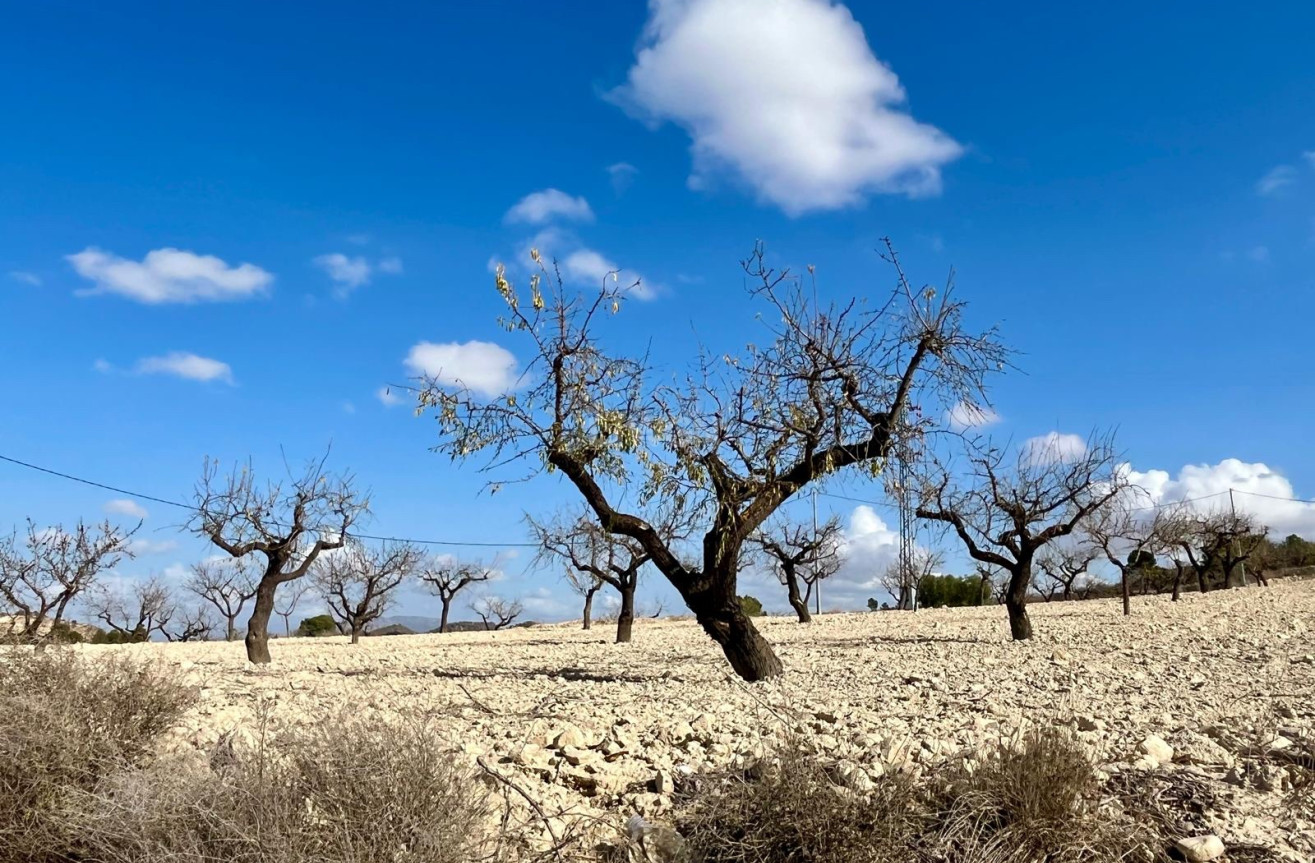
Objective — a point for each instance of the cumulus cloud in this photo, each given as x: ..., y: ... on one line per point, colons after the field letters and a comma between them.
x: 482, y: 367
x: 538, y: 208
x: 25, y: 277
x: 1258, y: 489
x: 869, y: 545
x: 347, y: 274
x: 787, y: 98
x: 169, y: 276
x: 968, y: 416
x: 123, y: 506
x: 1276, y: 180
x: 181, y: 364
x: 1054, y: 447
x: 588, y: 267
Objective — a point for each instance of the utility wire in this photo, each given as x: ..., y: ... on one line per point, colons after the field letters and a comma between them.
x: 140, y: 496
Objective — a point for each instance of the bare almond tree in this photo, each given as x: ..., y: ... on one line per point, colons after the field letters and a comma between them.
x: 1005, y: 511
x: 904, y: 580
x: 46, y: 570
x: 1127, y: 533
x: 830, y: 390
x: 798, y: 554
x: 193, y: 623
x: 288, y: 524
x: 135, y: 613
x: 225, y: 584
x: 445, y: 577
x: 595, y: 557
x: 358, y: 582
x: 1062, y: 566
x: 496, y: 612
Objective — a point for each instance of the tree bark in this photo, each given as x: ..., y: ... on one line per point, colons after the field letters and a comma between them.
x: 1020, y: 626
x: 1200, y: 581
x: 230, y: 633
x: 625, y: 621
x: 442, y: 620
x: 1177, y: 581
x: 257, y: 639
x: 588, y: 609
x: 797, y: 601
x: 356, y: 635
x: 749, y: 654
x: 1127, y: 603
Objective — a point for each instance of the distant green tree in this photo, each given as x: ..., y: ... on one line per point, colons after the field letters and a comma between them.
x: 873, y: 605
x: 751, y: 606
x: 950, y: 591
x: 318, y: 626
x: 62, y: 633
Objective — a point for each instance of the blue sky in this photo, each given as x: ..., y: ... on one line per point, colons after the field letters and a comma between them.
x: 1128, y: 191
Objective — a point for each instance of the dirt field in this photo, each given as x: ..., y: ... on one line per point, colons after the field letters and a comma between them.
x: 1224, y: 679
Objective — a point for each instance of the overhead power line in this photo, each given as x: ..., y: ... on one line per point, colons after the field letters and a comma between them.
x: 180, y: 505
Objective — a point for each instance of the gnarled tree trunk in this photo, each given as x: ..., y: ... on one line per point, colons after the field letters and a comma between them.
x: 1020, y: 625
x: 718, y: 611
x: 797, y: 601
x: 257, y: 639
x: 625, y: 621
x: 589, y: 608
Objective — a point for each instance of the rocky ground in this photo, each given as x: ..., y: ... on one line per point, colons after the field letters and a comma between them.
x: 1215, y: 686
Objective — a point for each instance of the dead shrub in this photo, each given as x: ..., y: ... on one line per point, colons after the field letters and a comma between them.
x: 1037, y: 801
x: 348, y: 792
x: 65, y: 725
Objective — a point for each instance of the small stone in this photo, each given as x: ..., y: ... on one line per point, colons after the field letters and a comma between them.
x: 569, y: 735
x: 661, y: 783
x: 1154, y: 748
x: 1201, y: 849
x: 576, y: 756
x: 1090, y: 723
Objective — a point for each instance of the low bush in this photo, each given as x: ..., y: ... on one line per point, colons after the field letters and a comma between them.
x: 318, y: 626
x: 751, y: 606
x: 65, y: 726
x: 1034, y: 802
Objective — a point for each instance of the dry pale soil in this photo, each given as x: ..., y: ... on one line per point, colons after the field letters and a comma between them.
x: 1209, y: 685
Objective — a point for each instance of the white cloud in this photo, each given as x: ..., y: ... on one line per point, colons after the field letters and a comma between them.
x: 542, y: 604
x: 868, y: 547
x: 387, y: 397
x: 123, y: 506
x: 169, y: 276
x: 588, y: 267
x: 785, y: 96
x: 540, y: 207
x: 1258, y: 489
x: 1276, y: 180
x: 967, y: 416
x: 391, y: 265
x: 146, y: 547
x: 482, y: 367
x: 25, y: 277
x: 1054, y: 447
x: 348, y: 407
x: 347, y: 274
x: 181, y: 364
x: 103, y: 366
x: 622, y: 175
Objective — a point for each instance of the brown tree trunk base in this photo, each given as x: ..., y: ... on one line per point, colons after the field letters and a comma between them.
x: 750, y: 655
x: 1020, y: 625
x: 1127, y: 602
x: 625, y: 620
x: 257, y: 640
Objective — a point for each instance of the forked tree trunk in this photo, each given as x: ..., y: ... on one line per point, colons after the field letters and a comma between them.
x: 721, y: 617
x: 257, y: 639
x: 625, y: 621
x: 1020, y: 626
x: 797, y: 601
x: 442, y: 620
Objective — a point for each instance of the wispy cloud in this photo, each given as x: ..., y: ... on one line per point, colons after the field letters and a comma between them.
x: 169, y: 276
x: 967, y: 416
x: 348, y: 272
x: 387, y: 397
x: 25, y: 277
x: 622, y: 174
x: 124, y: 506
x: 189, y: 366
x: 1276, y: 180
